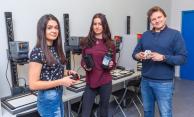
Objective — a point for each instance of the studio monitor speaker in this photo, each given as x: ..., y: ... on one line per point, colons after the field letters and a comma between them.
x: 66, y: 27
x: 128, y: 24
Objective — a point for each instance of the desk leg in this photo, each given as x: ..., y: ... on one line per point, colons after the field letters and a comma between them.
x: 124, y: 101
x: 69, y: 108
x: 0, y: 109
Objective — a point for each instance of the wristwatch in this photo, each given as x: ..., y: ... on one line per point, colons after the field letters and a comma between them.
x: 164, y: 58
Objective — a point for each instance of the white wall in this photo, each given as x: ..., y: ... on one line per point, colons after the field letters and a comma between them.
x: 176, y: 12
x: 26, y: 13
x: 176, y: 16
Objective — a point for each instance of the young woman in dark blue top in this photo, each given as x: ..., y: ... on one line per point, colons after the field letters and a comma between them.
x: 46, y: 68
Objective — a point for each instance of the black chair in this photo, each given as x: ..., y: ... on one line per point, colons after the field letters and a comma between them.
x: 128, y: 93
x: 76, y: 108
x: 136, y: 85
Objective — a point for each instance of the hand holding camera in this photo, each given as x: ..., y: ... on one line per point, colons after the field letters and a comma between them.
x: 75, y: 76
x: 89, y: 63
x: 67, y: 81
x: 147, y: 54
x: 158, y: 57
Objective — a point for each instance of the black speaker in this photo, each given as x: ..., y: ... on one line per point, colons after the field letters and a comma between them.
x: 66, y: 28
x: 128, y: 24
x: 148, y: 24
x: 9, y: 26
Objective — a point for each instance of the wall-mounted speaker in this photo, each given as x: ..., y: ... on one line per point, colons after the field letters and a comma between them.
x: 128, y: 24
x: 9, y: 26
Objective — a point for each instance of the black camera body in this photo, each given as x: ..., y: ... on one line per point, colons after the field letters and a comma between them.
x: 74, y: 76
x: 106, y: 59
x: 88, y: 61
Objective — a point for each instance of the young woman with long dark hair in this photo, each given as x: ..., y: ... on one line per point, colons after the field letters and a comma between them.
x: 46, y: 68
x: 98, y: 80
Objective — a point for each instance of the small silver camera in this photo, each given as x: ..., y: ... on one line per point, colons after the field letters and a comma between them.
x: 147, y: 54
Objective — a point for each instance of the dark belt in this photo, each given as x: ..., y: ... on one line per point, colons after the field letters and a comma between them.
x: 55, y: 88
x: 149, y: 78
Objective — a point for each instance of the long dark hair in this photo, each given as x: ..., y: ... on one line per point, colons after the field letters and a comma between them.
x: 90, y: 40
x: 41, y: 40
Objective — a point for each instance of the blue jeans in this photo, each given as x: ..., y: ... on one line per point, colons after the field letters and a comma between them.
x: 50, y: 103
x: 161, y: 92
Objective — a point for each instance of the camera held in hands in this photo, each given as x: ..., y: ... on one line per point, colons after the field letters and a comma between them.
x: 74, y: 76
x: 106, y: 59
x: 147, y: 54
x: 88, y: 61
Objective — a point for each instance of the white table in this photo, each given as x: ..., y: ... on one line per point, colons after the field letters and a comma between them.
x: 69, y: 95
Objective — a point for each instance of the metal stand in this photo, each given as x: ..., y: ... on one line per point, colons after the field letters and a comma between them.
x: 10, y: 37
x: 67, y: 33
x: 15, y: 88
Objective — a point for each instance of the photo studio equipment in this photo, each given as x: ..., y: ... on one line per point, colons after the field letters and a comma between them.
x: 21, y: 98
x: 118, y: 40
x: 17, y: 54
x: 66, y: 44
x: 10, y: 37
x: 106, y: 59
x: 74, y: 44
x: 20, y: 103
x: 19, y: 51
